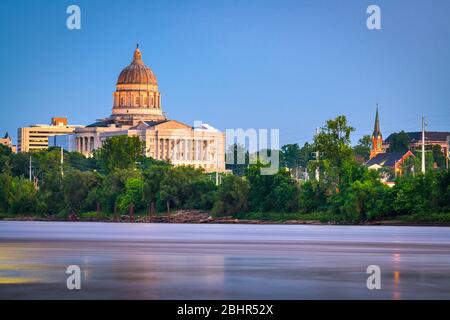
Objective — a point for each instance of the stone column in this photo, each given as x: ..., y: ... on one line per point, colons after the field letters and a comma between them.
x: 168, y: 149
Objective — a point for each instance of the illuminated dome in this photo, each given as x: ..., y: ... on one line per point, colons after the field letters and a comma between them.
x: 137, y: 97
x: 137, y: 72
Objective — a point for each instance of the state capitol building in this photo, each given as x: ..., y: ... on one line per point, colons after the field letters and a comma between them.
x: 137, y: 111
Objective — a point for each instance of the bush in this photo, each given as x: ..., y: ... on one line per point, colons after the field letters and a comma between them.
x: 232, y: 195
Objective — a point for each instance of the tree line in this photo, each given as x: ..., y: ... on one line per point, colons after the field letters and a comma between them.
x: 118, y: 179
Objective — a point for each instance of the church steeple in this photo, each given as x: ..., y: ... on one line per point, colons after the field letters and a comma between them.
x: 376, y: 129
x: 377, y: 138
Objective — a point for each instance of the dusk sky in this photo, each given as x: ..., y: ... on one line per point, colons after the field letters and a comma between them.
x: 233, y: 64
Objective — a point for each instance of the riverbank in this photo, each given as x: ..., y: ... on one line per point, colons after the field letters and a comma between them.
x: 199, y: 217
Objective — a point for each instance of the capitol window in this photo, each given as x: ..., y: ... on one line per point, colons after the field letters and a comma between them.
x: 137, y: 100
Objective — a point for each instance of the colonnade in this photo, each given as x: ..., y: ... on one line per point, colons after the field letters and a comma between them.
x: 181, y: 149
x: 84, y: 144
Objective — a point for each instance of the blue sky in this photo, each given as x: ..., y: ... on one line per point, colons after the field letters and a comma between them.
x: 234, y: 64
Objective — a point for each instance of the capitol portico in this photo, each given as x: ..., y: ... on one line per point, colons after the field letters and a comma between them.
x: 137, y: 111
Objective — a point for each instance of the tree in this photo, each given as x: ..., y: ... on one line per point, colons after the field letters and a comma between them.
x: 290, y: 156
x: 260, y: 188
x: 232, y: 195
x: 414, y: 194
x: 442, y: 191
x: 179, y: 187
x: 78, y: 161
x: 114, y: 186
x: 285, y: 192
x: 333, y: 145
x: 278, y: 192
x: 312, y: 197
x: 17, y: 195
x: 5, y: 191
x: 132, y: 198
x: 120, y: 152
x: 399, y: 142
x: 362, y: 149
x: 361, y: 195
x: 333, y: 142
x: 170, y: 189
x: 201, y: 194
x: 77, y: 186
x: 438, y: 156
x: 240, y: 157
x: 153, y: 177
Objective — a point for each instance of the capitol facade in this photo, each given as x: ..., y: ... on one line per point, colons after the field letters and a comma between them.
x: 137, y: 111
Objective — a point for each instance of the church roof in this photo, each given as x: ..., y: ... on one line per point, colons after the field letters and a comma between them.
x: 387, y: 159
x: 429, y: 136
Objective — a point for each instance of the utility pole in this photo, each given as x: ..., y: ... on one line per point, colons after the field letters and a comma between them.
x: 423, y: 144
x: 62, y: 162
x: 30, y: 168
x: 317, y: 159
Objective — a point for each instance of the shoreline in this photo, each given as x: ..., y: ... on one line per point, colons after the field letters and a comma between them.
x: 189, y: 217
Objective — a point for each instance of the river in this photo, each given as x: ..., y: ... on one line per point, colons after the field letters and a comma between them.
x: 222, y: 261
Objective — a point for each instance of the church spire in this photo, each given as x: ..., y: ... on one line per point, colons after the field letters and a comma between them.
x: 376, y: 129
x: 377, y: 138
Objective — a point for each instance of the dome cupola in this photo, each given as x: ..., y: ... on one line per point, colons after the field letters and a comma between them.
x: 137, y: 72
x: 137, y: 96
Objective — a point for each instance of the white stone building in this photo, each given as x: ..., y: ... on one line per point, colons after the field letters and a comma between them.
x: 137, y: 111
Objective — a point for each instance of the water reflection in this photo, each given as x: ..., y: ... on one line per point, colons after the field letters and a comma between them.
x: 130, y: 261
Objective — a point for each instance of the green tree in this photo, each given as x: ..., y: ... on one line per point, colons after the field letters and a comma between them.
x: 333, y: 145
x: 133, y: 195
x: 399, y: 142
x: 120, y: 152
x: 17, y: 195
x: 333, y: 142
x: 438, y: 156
x: 153, y: 177
x: 232, y: 195
x: 77, y: 161
x: 237, y: 159
x: 362, y: 149
x: 361, y: 196
x: 278, y: 192
x: 5, y: 191
x: 414, y: 194
x: 170, y: 189
x: 260, y: 188
x: 113, y: 187
x: 77, y: 186
x: 312, y: 197
x: 285, y: 193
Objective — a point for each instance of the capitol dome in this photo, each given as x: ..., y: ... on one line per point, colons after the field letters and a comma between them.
x: 137, y: 72
x: 137, y: 97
